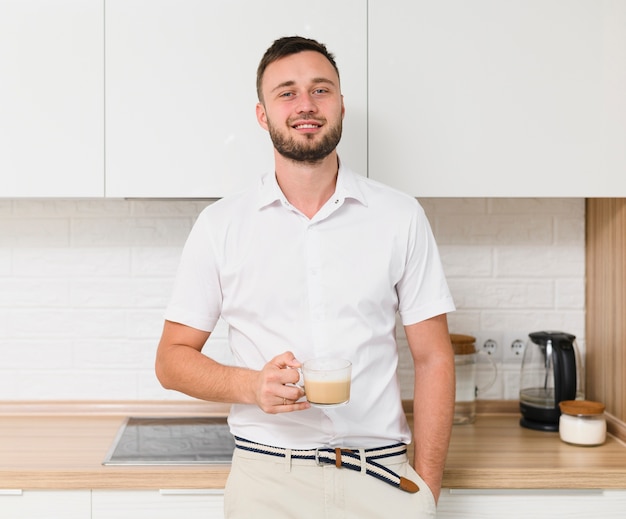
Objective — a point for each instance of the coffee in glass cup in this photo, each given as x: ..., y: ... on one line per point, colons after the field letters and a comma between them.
x: 327, y: 381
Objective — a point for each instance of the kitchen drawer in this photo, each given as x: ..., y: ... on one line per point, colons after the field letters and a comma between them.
x: 45, y: 504
x: 538, y: 504
x: 158, y: 504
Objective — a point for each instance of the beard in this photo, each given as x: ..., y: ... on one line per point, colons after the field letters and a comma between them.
x: 309, y: 152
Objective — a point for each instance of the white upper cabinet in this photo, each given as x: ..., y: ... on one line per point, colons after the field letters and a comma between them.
x: 180, y: 89
x: 51, y: 98
x: 495, y: 98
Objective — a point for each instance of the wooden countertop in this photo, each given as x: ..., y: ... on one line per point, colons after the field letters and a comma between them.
x: 55, y: 448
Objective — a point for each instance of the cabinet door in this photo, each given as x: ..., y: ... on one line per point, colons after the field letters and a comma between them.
x: 153, y: 504
x: 181, y: 94
x: 522, y: 504
x: 51, y: 98
x: 492, y: 98
x: 45, y: 504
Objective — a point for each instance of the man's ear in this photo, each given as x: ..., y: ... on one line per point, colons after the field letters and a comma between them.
x: 261, y: 116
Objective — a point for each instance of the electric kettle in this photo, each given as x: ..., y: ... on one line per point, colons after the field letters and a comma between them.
x: 551, y: 372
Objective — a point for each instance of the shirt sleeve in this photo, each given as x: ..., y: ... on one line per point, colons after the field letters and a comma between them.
x: 423, y: 290
x: 196, y: 297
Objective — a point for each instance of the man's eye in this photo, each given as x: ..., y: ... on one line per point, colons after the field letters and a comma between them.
x: 286, y: 94
x: 320, y: 91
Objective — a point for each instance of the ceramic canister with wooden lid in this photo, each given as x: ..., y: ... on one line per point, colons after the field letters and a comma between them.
x: 582, y: 422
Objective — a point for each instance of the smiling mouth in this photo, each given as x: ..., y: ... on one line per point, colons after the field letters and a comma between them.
x: 306, y: 126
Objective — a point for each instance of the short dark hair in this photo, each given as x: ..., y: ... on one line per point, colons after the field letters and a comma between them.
x: 287, y: 46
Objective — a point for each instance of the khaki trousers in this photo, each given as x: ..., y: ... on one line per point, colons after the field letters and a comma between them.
x: 261, y: 486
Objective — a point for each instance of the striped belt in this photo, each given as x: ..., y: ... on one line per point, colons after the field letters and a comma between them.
x: 353, y: 459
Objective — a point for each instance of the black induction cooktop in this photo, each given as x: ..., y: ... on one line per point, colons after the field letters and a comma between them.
x: 172, y: 441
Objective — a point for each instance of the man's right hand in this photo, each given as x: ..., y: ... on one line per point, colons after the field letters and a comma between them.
x: 277, y: 390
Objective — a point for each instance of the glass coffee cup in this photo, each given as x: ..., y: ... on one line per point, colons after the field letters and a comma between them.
x: 327, y: 381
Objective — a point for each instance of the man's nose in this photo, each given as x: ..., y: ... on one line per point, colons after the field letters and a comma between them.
x: 306, y: 104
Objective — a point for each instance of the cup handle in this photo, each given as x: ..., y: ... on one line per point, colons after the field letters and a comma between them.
x: 494, y: 374
x: 300, y: 382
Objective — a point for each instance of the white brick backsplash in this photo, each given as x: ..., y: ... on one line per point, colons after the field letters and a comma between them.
x: 68, y: 208
x: 4, y: 326
x: 151, y: 293
x: 169, y: 208
x: 44, y: 323
x: 466, y: 321
x: 35, y: 354
x: 551, y: 262
x: 71, y: 262
x: 84, y: 283
x: 494, y: 229
x: 510, y: 382
x: 76, y: 385
x: 33, y: 292
x: 469, y: 262
x: 570, y: 293
x: 569, y: 230
x: 116, y: 354
x: 120, y: 292
x: 465, y: 206
x: 6, y: 207
x: 129, y: 231
x: 142, y: 324
x: 103, y: 292
x: 34, y: 232
x: 501, y: 293
x: 532, y: 206
x: 155, y: 261
x: 5, y: 261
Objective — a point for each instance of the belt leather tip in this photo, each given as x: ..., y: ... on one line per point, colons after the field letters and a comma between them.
x: 338, y: 458
x: 408, y: 486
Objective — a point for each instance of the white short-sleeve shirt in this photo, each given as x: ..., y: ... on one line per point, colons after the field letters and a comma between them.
x: 329, y: 285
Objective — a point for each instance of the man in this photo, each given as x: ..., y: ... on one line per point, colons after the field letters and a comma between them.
x: 315, y: 261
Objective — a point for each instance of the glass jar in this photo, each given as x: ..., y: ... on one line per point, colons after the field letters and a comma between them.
x: 582, y: 422
x: 467, y: 388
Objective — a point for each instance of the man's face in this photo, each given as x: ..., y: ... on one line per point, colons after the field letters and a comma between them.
x: 302, y: 106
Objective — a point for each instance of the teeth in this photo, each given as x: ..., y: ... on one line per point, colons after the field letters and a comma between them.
x: 307, y: 126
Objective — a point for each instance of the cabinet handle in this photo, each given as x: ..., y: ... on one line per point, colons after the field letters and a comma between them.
x: 525, y: 491
x: 11, y: 491
x: 191, y: 491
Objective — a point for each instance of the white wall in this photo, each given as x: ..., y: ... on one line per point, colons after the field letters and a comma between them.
x: 83, y: 284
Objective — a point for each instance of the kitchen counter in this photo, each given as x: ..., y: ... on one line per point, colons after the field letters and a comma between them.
x: 62, y: 447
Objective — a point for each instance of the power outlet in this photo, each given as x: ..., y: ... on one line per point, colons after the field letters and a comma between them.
x: 513, y: 348
x: 491, y: 344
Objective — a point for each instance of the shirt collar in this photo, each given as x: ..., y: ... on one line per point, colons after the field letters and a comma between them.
x: 347, y: 187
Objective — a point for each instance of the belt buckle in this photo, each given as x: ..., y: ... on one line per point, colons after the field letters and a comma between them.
x: 318, y: 460
x: 334, y: 456
x: 317, y: 457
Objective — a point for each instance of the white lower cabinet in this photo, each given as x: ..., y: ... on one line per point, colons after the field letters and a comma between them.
x: 45, y: 504
x: 157, y: 504
x: 538, y: 504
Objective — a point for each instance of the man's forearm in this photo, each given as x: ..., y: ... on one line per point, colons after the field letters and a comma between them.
x: 433, y: 412
x: 188, y: 371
